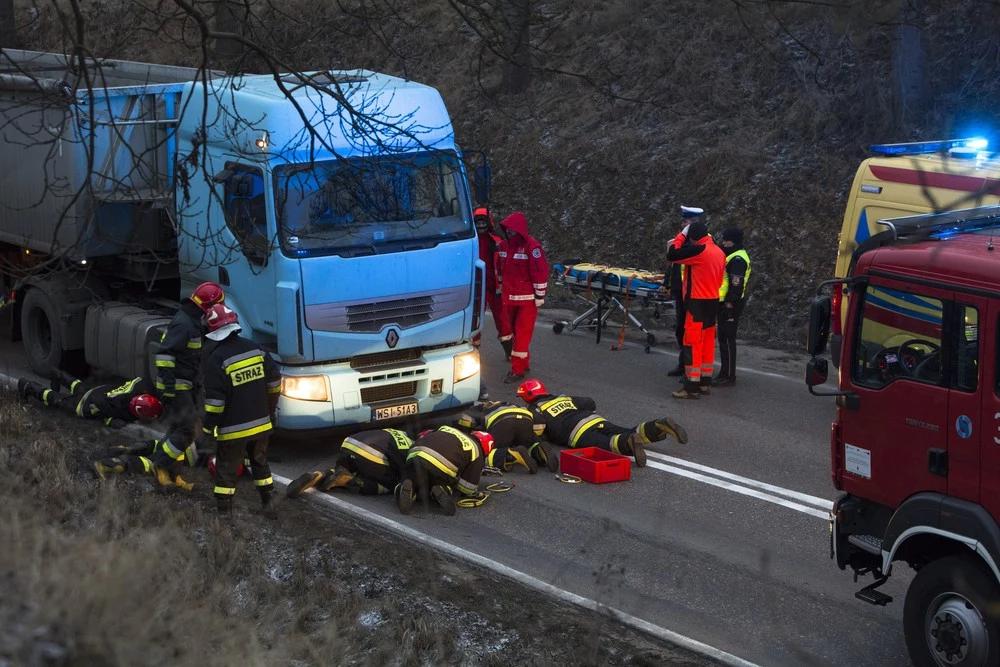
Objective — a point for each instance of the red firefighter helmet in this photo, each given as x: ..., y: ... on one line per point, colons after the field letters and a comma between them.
x: 531, y: 390
x: 425, y: 432
x: 207, y: 295
x: 145, y: 407
x: 221, y: 320
x: 485, y: 441
x: 213, y: 469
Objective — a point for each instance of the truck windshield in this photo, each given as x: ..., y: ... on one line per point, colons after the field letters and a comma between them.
x: 371, y: 205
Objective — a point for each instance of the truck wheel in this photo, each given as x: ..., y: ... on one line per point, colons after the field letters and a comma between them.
x: 40, y: 332
x: 951, y: 616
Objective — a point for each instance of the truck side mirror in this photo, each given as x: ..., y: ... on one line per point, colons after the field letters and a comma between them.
x: 817, y: 371
x: 819, y: 325
x: 482, y: 184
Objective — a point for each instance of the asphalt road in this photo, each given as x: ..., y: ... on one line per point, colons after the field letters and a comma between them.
x: 723, y: 540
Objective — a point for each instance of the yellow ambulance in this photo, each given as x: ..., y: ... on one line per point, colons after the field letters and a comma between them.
x: 901, y: 180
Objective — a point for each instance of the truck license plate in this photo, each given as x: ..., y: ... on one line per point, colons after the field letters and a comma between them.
x: 393, y: 411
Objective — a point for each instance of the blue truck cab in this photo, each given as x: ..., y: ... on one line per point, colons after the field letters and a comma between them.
x: 333, y: 207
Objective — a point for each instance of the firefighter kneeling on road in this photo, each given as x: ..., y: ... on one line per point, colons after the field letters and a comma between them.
x: 370, y: 462
x: 514, y: 439
x: 571, y: 421
x: 114, y: 405
x: 242, y: 384
x: 138, y: 458
x: 440, y: 460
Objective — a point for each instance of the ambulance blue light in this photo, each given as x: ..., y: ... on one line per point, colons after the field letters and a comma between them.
x: 924, y: 147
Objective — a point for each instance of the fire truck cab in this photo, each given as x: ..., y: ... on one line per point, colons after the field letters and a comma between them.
x: 915, y: 445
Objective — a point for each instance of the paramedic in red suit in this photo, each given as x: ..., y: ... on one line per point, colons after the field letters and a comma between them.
x: 704, y: 264
x: 524, y: 276
x: 489, y: 243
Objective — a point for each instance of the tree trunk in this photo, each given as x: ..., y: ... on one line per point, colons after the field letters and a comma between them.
x: 517, y: 45
x: 227, y: 19
x: 908, y: 67
x: 8, y: 30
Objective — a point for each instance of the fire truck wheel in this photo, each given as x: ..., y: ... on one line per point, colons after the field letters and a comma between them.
x: 951, y: 617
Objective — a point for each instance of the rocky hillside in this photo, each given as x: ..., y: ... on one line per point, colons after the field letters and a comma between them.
x: 758, y: 112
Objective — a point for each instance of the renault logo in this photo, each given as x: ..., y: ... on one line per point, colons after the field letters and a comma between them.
x: 392, y: 338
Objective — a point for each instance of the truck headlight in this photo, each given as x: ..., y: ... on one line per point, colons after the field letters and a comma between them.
x: 305, y: 387
x: 466, y: 365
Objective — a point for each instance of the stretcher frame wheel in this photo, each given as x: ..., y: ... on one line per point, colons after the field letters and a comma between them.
x: 650, y: 342
x: 558, y: 327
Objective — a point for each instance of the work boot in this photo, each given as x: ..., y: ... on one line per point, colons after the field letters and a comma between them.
x: 508, y: 347
x: 521, y: 456
x: 224, y: 505
x: 668, y: 427
x: 551, y: 458
x: 335, y: 479
x: 444, y: 499
x: 105, y: 467
x: 302, y: 482
x: 27, y: 389
x: 638, y: 451
x: 704, y: 387
x: 404, y: 496
x: 688, y: 391
x: 723, y: 381
x: 60, y: 378
x: 513, y: 377
x: 267, y: 503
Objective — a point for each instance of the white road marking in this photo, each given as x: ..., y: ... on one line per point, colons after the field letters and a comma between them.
x: 374, y: 518
x: 822, y: 503
x: 743, y: 490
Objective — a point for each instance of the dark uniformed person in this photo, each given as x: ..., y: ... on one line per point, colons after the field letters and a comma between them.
x: 675, y: 281
x: 514, y: 439
x: 571, y: 421
x: 242, y: 384
x: 441, y: 462
x: 113, y: 404
x: 732, y: 298
x: 138, y: 458
x: 178, y: 363
x: 370, y: 462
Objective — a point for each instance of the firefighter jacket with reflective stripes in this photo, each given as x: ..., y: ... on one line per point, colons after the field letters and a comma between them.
x: 524, y: 272
x: 735, y: 277
x: 454, y: 455
x: 242, y: 384
x: 107, y: 401
x: 387, y: 447
x: 566, y: 418
x: 178, y: 361
x: 510, y: 425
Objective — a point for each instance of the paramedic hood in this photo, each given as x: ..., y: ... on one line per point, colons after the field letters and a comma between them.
x: 524, y: 271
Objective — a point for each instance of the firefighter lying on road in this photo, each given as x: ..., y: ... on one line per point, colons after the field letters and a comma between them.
x: 571, y: 421
x: 114, y: 405
x: 138, y: 458
x: 370, y: 462
x: 514, y: 439
x: 440, y: 460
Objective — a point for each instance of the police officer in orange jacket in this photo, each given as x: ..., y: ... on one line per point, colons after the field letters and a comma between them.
x: 704, y: 264
x: 524, y: 276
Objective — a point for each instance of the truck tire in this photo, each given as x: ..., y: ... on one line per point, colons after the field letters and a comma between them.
x: 40, y: 332
x: 952, y: 610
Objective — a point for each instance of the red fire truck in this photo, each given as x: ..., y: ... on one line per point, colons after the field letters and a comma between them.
x: 915, y: 445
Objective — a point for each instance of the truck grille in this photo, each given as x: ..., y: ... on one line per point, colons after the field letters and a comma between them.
x: 404, y: 313
x: 388, y: 392
x: 385, y: 358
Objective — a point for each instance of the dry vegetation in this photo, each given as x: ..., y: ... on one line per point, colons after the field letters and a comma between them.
x: 119, y: 573
x: 757, y: 111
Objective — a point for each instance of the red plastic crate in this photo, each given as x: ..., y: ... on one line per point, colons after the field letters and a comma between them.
x: 598, y: 466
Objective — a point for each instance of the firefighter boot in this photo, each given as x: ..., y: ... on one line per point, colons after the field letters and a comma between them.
x: 267, y: 502
x: 508, y: 347
x: 667, y: 427
x: 337, y: 478
x: 302, y: 482
x: 61, y: 379
x: 404, y: 496
x: 638, y: 450
x: 28, y: 389
x: 224, y: 505
x: 519, y: 455
x: 444, y: 499
x: 545, y: 456
x: 106, y: 466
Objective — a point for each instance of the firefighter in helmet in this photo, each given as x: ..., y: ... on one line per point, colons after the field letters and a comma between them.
x: 115, y: 405
x: 442, y: 462
x: 370, y: 462
x: 515, y: 441
x: 572, y: 421
x: 242, y: 384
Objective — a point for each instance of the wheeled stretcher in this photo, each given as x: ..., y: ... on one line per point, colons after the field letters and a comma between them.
x: 609, y: 288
